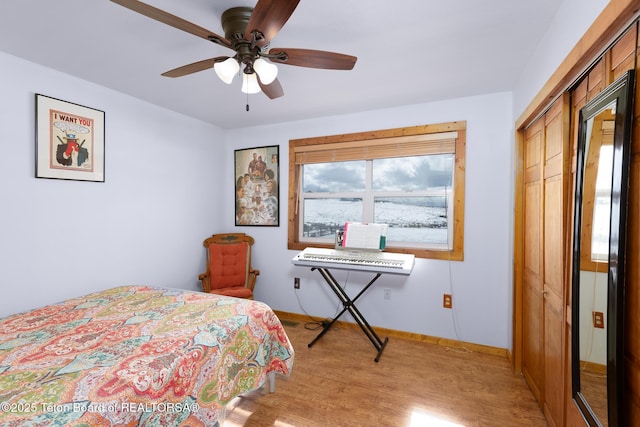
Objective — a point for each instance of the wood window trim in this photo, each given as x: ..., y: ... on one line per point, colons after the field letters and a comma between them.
x: 380, y: 137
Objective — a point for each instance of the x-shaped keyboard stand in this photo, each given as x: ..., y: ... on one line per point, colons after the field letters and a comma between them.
x: 349, y: 305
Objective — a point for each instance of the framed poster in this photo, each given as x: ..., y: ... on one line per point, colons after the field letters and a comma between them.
x: 257, y: 195
x: 69, y: 140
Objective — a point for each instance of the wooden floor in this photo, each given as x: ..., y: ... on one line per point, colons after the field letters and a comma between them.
x: 594, y: 387
x: 337, y: 383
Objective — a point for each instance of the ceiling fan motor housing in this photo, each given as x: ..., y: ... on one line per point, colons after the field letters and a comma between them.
x: 234, y: 23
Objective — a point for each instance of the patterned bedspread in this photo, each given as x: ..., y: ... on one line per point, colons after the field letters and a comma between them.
x: 136, y: 355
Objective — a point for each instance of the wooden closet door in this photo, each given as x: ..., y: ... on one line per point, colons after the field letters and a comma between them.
x: 556, y: 175
x: 532, y: 286
x: 545, y: 204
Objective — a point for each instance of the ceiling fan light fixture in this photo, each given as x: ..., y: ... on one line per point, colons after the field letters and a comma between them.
x: 227, y: 69
x: 250, y: 83
x: 266, y: 70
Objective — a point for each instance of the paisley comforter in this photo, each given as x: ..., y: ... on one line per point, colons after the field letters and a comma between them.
x: 136, y: 355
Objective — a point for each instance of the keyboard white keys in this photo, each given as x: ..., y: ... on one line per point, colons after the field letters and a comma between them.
x: 379, y: 262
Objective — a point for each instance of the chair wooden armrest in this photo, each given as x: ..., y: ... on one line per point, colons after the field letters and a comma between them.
x: 253, y: 275
x: 204, y: 278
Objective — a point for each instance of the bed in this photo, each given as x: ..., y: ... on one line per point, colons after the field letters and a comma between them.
x: 137, y: 355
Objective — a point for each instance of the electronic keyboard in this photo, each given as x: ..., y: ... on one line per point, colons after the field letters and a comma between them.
x: 378, y: 262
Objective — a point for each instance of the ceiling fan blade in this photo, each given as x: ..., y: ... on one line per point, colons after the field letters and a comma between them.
x: 174, y: 21
x: 314, y: 58
x: 195, y: 67
x: 272, y: 90
x: 268, y: 17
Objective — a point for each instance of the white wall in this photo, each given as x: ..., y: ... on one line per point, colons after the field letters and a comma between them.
x: 573, y: 19
x: 143, y: 225
x: 481, y: 284
x: 593, y: 297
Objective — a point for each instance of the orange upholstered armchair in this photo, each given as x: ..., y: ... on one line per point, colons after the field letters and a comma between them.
x: 229, y: 270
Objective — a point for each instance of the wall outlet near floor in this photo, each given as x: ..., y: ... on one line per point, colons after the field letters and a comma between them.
x: 296, y: 283
x: 446, y: 301
x: 598, y: 319
x: 387, y: 293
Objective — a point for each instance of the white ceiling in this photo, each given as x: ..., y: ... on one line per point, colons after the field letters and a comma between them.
x: 409, y: 52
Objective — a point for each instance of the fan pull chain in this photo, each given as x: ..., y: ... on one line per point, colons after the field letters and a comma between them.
x: 247, y: 107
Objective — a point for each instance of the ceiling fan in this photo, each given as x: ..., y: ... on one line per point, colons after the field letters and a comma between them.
x: 248, y: 32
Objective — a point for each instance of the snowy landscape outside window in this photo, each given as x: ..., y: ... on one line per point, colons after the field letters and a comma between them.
x: 413, y: 182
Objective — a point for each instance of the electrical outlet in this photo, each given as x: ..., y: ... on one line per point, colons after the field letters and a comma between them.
x: 598, y: 319
x: 296, y: 283
x: 446, y: 301
x: 387, y: 293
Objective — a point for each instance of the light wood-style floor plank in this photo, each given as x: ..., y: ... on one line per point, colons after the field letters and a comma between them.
x: 337, y: 383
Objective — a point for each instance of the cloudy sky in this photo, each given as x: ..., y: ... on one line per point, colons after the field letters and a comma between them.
x: 396, y: 174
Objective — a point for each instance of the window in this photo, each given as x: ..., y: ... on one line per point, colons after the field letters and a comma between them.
x: 409, y: 178
x: 596, y: 196
x: 602, y: 206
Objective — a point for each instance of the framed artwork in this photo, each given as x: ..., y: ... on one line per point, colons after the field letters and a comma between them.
x: 256, y: 178
x: 69, y: 140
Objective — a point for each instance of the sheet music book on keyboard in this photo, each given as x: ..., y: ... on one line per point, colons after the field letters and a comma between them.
x: 380, y: 262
